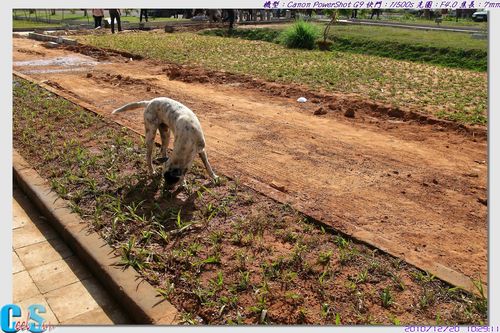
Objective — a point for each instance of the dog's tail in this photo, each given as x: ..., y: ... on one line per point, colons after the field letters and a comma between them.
x: 131, y: 106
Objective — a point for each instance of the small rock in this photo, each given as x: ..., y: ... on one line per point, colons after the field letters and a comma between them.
x: 471, y: 174
x: 277, y: 186
x: 148, y: 89
x: 435, y: 181
x: 349, y: 113
x: 119, y: 77
x: 89, y: 75
x: 483, y: 201
x: 396, y: 172
x: 301, y: 99
x: 320, y: 111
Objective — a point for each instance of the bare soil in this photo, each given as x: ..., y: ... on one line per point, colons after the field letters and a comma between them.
x: 416, y: 186
x: 242, y: 258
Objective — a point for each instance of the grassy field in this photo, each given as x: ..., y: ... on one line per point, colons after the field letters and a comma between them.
x: 222, y: 254
x: 30, y: 24
x: 455, y: 94
x: 79, y: 16
x: 447, y: 22
x: 449, y: 49
x: 441, y: 39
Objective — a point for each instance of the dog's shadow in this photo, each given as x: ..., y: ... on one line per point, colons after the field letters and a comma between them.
x: 152, y: 199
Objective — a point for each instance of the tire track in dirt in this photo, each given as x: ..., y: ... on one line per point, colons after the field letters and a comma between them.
x: 418, y: 187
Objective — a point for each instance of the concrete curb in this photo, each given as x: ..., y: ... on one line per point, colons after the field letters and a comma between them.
x: 137, y: 297
x: 53, y: 39
x: 413, y: 258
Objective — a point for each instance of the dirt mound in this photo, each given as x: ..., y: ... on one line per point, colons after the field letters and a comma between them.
x: 28, y: 51
x: 339, y: 104
x: 100, y: 53
x: 119, y: 80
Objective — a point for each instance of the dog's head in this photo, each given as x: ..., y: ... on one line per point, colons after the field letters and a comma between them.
x: 173, y: 175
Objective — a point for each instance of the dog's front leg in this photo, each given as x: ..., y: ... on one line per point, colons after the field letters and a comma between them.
x: 165, y: 139
x: 204, y: 158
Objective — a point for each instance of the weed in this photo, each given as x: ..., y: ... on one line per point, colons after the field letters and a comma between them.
x: 480, y: 303
x: 426, y: 299
x: 386, y: 297
x: 324, y: 257
x: 341, y: 242
x: 134, y: 257
x: 337, y: 319
x: 424, y: 277
x: 243, y: 281
x: 165, y: 292
x: 394, y: 320
x: 301, y: 35
x: 215, y: 237
x: 325, y: 310
x: 398, y: 281
x: 218, y: 282
x: 362, y: 276
x: 164, y: 235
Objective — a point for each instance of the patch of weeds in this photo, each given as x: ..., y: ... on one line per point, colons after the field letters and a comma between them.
x: 424, y: 277
x: 426, y: 299
x: 481, y: 302
x: 398, y: 281
x: 293, y: 296
x: 134, y: 256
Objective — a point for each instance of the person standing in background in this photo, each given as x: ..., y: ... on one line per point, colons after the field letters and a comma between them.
x: 98, y: 14
x: 145, y: 13
x: 115, y: 14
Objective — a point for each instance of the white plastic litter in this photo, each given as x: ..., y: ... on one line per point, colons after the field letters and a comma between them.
x: 302, y: 100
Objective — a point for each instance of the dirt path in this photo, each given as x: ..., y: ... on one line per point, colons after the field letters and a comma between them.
x: 417, y: 190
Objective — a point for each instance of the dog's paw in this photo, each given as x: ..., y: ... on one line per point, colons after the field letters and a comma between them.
x: 217, y: 180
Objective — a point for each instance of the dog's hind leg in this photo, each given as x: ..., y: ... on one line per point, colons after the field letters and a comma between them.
x: 204, y: 158
x: 150, y: 142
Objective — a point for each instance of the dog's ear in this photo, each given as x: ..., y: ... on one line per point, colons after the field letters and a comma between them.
x: 160, y: 160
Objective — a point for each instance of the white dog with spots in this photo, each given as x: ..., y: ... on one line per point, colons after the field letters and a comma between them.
x: 166, y: 115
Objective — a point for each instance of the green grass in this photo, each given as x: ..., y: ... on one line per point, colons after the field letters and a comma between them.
x: 78, y: 16
x: 440, y: 39
x: 30, y: 24
x: 435, y: 47
x: 446, y: 92
x: 447, y: 22
x: 443, y: 39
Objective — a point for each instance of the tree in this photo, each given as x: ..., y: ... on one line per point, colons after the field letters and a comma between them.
x: 325, y: 44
